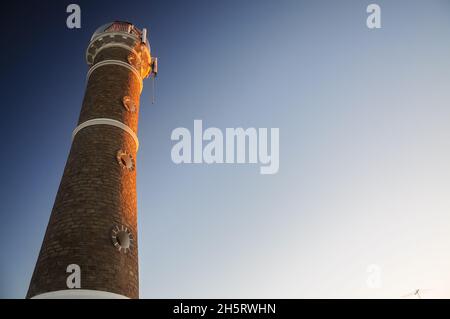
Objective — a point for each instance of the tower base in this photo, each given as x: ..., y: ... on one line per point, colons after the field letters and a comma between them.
x: 79, y: 294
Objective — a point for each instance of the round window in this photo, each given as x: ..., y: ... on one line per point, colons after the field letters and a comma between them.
x: 131, y: 59
x: 134, y: 61
x: 128, y: 104
x: 125, y: 160
x: 122, y: 238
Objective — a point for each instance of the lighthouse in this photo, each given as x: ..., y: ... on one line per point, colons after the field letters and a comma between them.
x: 90, y: 247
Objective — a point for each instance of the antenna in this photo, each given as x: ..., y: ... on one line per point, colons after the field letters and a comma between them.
x: 144, y: 36
x: 154, y: 66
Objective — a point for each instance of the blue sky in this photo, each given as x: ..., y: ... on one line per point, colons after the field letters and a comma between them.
x: 364, y: 144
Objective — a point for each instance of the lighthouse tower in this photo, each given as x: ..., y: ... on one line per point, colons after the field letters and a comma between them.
x: 90, y: 246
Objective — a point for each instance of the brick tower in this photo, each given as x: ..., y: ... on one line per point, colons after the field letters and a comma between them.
x: 90, y: 245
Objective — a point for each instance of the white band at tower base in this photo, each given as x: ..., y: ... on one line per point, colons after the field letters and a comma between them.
x: 106, y: 121
x: 79, y: 294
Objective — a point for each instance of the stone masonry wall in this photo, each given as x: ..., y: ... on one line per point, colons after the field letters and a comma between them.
x: 95, y: 193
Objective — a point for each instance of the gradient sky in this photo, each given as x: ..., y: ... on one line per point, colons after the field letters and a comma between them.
x: 364, y: 144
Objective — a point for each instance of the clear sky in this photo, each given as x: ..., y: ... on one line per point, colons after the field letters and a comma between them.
x: 363, y: 115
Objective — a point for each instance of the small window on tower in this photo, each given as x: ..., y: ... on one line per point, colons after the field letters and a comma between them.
x: 134, y: 61
x: 128, y: 104
x: 125, y: 160
x: 122, y: 238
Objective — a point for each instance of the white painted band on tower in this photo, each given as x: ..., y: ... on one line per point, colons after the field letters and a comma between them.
x: 79, y: 294
x: 115, y: 45
x: 119, y: 63
x: 106, y: 121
